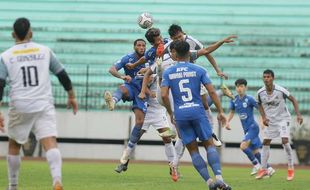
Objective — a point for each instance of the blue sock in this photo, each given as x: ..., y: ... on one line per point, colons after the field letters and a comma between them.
x: 200, y: 165
x: 117, y: 95
x: 258, y: 157
x: 135, y: 134
x: 250, y: 155
x: 214, y: 160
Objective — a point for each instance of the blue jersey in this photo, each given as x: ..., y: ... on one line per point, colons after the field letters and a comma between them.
x: 244, y: 107
x: 150, y: 54
x: 185, y: 81
x: 129, y: 58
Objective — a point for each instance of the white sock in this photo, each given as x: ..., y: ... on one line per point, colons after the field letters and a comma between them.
x: 170, y: 152
x: 53, y: 158
x: 219, y: 177
x: 179, y: 148
x: 130, y: 148
x: 288, y: 149
x: 210, y: 117
x: 265, y: 155
x: 13, y: 162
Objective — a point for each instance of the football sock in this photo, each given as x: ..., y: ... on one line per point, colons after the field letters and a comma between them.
x: 288, y: 149
x: 250, y: 155
x: 214, y: 160
x: 265, y: 155
x: 13, y: 162
x: 200, y: 165
x: 53, y: 158
x: 179, y: 148
x: 117, y: 95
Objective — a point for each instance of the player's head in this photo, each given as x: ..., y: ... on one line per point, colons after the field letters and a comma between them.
x: 241, y: 86
x: 182, y: 50
x: 153, y: 36
x: 268, y: 77
x: 22, y: 29
x: 172, y: 50
x: 176, y: 33
x: 139, y: 46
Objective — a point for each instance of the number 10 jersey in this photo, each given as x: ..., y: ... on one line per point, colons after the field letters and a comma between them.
x: 27, y: 67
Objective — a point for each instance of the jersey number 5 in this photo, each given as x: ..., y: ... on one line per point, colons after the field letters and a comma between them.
x: 30, y: 76
x: 189, y: 96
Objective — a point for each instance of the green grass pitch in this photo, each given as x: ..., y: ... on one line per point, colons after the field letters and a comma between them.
x: 34, y: 175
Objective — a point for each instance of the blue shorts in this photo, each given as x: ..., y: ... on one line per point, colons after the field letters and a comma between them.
x: 190, y: 130
x: 252, y: 134
x: 137, y: 103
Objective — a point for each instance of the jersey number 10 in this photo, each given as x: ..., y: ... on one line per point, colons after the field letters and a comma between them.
x: 30, y: 76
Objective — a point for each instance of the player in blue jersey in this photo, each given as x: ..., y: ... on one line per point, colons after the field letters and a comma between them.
x: 126, y: 91
x: 244, y: 105
x: 185, y: 79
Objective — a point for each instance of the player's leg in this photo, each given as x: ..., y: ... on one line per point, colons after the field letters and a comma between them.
x: 53, y: 157
x: 19, y: 127
x: 134, y: 137
x: 189, y: 136
x: 285, y: 134
x: 122, y: 92
x: 13, y: 162
x: 46, y: 132
x: 203, y: 131
x: 264, y: 159
x: 250, y: 136
x: 256, y: 146
x: 204, y: 94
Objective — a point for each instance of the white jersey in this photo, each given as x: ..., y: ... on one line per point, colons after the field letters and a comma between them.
x: 27, y: 68
x: 274, y: 104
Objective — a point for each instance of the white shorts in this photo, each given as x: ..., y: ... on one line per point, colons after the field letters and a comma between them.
x: 280, y: 129
x: 42, y: 124
x: 203, y: 90
x: 157, y: 119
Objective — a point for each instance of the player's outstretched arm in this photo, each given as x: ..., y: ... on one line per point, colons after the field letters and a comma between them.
x: 215, y: 46
x: 66, y: 83
x: 296, y: 109
x: 215, y: 66
x: 212, y: 93
x: 141, y: 61
x: 165, y: 97
x: 146, y: 79
x: 117, y: 74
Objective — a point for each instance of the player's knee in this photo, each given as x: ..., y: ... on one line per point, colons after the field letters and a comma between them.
x: 139, y: 121
x: 124, y: 91
x: 284, y: 140
x: 166, y: 140
x: 14, y: 147
x: 243, y: 146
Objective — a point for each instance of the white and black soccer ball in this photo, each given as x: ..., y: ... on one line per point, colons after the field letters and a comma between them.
x: 145, y: 20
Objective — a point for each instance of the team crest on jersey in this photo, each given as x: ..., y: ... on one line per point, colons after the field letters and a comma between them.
x: 244, y: 104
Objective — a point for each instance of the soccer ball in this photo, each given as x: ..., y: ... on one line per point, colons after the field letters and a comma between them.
x: 145, y: 20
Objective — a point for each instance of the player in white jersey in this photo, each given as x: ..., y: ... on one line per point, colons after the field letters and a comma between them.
x: 277, y: 119
x: 160, y: 123
x: 26, y: 65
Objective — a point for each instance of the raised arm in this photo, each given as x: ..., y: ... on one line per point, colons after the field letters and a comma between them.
x: 296, y: 109
x: 141, y: 61
x: 215, y: 46
x: 165, y: 97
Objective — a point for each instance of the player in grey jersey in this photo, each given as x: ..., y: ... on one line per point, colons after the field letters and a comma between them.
x: 275, y: 115
x: 27, y: 65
